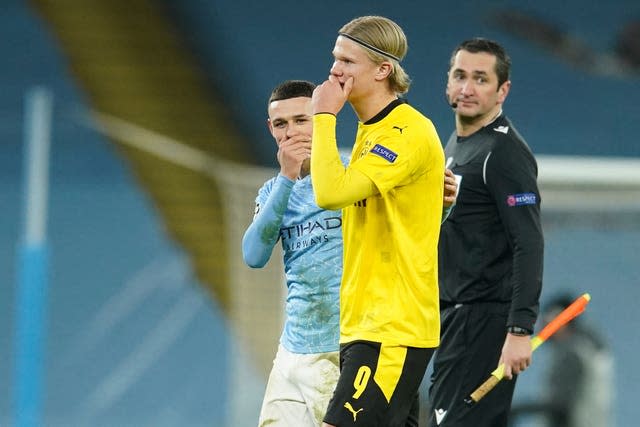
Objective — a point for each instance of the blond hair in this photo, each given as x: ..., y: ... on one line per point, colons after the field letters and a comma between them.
x: 383, y: 40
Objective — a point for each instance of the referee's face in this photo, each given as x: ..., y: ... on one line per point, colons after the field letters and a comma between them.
x: 473, y: 85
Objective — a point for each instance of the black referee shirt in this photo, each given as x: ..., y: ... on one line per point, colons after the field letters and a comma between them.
x: 491, y: 245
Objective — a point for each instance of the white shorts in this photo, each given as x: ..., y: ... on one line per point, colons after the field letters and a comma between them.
x: 299, y: 389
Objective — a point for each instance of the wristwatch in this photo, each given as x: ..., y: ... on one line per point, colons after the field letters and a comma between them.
x: 518, y: 331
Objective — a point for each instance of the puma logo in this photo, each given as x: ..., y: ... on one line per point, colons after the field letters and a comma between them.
x: 399, y: 128
x: 353, y: 411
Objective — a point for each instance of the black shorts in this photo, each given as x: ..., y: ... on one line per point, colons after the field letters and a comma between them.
x: 378, y: 385
x: 470, y: 348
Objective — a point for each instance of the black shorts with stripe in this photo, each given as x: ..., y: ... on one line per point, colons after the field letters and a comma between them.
x: 378, y: 385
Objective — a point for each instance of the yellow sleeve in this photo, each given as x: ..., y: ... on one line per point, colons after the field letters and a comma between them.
x: 334, y: 185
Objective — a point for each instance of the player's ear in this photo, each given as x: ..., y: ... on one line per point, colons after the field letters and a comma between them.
x: 384, y: 70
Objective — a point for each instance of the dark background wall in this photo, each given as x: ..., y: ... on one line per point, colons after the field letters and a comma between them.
x: 249, y: 47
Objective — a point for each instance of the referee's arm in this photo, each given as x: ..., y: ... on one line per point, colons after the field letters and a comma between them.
x: 513, y: 172
x: 512, y: 177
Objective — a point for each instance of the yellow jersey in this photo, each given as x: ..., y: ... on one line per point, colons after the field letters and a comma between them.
x: 389, y: 289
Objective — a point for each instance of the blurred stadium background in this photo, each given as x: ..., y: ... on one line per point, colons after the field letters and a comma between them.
x: 159, y: 143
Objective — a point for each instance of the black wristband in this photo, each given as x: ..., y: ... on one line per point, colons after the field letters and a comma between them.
x: 518, y: 331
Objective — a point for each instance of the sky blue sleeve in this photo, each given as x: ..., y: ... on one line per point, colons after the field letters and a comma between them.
x: 264, y: 231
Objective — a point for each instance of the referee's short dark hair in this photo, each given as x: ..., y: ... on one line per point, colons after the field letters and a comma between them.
x: 292, y: 89
x: 479, y: 44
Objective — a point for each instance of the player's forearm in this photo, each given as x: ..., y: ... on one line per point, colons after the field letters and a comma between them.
x: 263, y: 233
x: 326, y: 167
x: 334, y: 185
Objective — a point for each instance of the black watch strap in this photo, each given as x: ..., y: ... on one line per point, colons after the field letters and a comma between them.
x: 518, y: 331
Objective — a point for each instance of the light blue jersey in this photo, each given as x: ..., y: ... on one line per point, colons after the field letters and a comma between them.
x: 312, y: 242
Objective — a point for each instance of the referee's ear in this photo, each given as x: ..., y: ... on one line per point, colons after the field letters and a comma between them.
x: 503, y: 92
